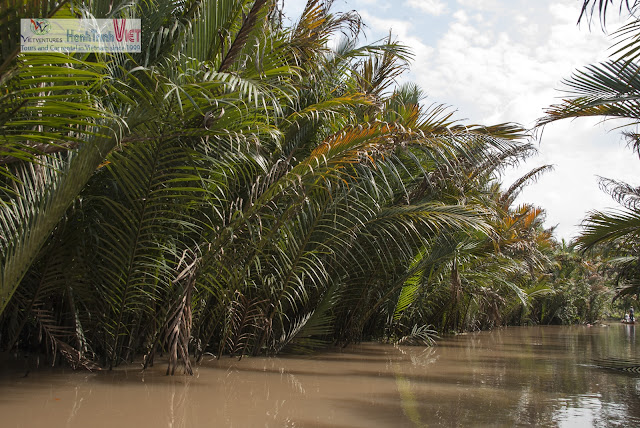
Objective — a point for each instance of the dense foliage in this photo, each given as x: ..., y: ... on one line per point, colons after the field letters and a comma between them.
x: 243, y: 188
x: 611, y: 90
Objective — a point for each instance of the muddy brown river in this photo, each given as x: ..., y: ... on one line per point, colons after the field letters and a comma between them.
x: 521, y: 376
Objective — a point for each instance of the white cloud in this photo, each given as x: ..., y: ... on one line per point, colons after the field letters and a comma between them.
x: 493, y: 72
x: 403, y: 30
x: 432, y: 7
x: 483, y: 68
x: 481, y: 4
x: 504, y: 60
x: 581, y: 151
x: 461, y: 16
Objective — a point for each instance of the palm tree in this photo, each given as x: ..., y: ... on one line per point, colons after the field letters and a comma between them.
x: 151, y: 108
x: 610, y: 90
x: 238, y: 188
x: 62, y: 115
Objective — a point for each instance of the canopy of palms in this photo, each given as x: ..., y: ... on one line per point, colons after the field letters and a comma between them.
x: 241, y: 188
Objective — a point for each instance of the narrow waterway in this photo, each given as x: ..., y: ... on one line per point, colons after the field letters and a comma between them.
x: 540, y: 376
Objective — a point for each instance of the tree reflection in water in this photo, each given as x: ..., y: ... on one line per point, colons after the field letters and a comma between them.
x: 541, y: 376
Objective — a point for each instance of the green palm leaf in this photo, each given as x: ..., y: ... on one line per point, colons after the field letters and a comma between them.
x: 601, y: 227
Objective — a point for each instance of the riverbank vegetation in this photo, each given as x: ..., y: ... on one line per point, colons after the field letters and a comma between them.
x: 609, y: 91
x: 243, y: 187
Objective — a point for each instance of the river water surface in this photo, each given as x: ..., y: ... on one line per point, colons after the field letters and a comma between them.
x: 520, y: 376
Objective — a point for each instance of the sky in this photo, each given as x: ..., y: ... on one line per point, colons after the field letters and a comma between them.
x: 496, y: 61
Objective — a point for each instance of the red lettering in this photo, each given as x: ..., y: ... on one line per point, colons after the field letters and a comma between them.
x: 119, y: 30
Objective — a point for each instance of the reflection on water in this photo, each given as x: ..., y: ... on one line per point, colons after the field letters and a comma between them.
x: 537, y: 376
